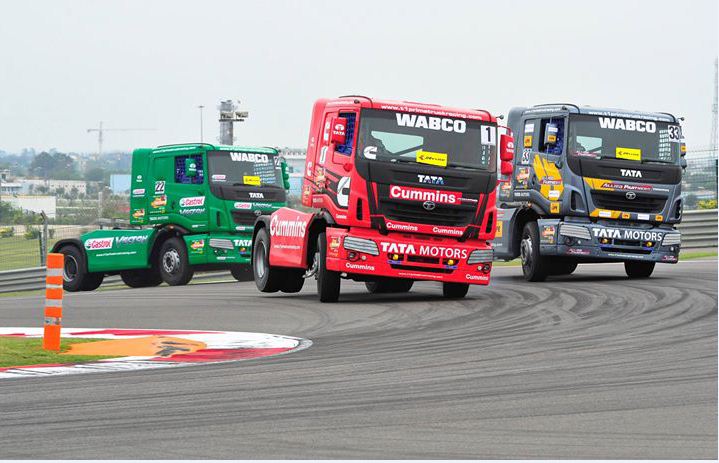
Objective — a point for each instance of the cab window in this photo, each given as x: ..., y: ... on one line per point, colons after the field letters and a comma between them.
x: 183, y: 172
x: 551, y: 136
x: 350, y: 131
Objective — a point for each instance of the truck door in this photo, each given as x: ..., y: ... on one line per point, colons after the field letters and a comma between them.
x: 185, y: 191
x: 540, y: 162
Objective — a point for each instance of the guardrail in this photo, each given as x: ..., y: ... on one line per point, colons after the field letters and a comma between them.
x: 28, y: 279
x: 699, y: 229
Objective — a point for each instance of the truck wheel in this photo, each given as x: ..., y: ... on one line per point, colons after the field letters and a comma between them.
x: 174, y: 266
x: 395, y: 285
x: 267, y: 278
x: 141, y: 278
x: 241, y: 272
x: 638, y: 269
x: 75, y: 275
x: 328, y: 282
x: 455, y: 290
x: 534, y: 266
x: 294, y: 281
x: 562, y: 267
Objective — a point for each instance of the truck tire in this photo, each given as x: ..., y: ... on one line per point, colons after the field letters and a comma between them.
x: 141, y: 278
x: 562, y: 267
x: 173, y: 264
x: 534, y: 266
x: 394, y: 285
x: 241, y: 272
x: 328, y: 282
x: 294, y: 281
x: 455, y: 290
x: 75, y: 274
x: 638, y: 269
x: 267, y: 278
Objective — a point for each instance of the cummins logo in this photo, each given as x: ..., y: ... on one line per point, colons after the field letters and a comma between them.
x: 425, y: 195
x: 431, y: 123
x: 627, y: 124
x: 290, y: 228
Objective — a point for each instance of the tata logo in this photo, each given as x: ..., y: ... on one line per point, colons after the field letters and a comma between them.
x: 429, y: 205
x: 257, y: 195
x: 431, y: 179
x: 630, y: 195
x: 631, y: 173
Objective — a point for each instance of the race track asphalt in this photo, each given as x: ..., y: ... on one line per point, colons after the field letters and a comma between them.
x: 587, y: 366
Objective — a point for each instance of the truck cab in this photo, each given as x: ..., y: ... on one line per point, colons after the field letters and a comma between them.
x: 402, y: 191
x: 192, y: 207
x: 591, y: 185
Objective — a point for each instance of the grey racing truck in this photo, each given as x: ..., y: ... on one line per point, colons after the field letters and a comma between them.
x: 591, y: 185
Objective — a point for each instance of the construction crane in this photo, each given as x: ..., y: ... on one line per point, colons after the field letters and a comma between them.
x: 101, y: 135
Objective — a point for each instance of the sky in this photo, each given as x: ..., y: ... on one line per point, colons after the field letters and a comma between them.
x: 67, y: 65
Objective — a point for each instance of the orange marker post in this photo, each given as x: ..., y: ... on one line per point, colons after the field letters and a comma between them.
x: 53, y: 302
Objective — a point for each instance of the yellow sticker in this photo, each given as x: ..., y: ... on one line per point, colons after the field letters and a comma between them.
x: 660, y: 218
x: 551, y: 138
x: 527, y: 141
x: 554, y: 208
x: 626, y: 215
x: 429, y: 157
x: 498, y: 232
x: 251, y: 180
x: 683, y: 148
x: 633, y: 154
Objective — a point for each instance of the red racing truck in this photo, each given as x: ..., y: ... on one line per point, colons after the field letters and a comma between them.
x: 399, y: 192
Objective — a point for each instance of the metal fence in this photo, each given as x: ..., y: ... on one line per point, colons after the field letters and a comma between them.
x: 25, y: 246
x: 699, y: 229
x: 699, y: 182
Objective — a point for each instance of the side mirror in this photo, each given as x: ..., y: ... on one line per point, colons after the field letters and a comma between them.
x: 683, y: 149
x: 506, y: 168
x: 506, y: 147
x: 338, y: 130
x: 190, y: 167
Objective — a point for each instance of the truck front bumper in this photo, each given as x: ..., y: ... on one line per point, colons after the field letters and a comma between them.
x: 607, y: 242
x: 362, y: 254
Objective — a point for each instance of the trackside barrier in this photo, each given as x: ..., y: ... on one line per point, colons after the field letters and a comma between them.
x: 53, y: 302
x: 699, y: 229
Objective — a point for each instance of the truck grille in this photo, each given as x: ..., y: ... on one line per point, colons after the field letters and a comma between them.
x: 619, y: 202
x: 453, y: 216
x: 246, y: 218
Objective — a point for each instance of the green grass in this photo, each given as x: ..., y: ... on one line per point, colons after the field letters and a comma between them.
x: 17, y: 351
x: 687, y: 255
x: 18, y: 252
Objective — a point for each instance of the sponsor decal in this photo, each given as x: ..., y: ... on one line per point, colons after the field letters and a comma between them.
x: 470, y: 277
x: 254, y: 195
x: 448, y: 231
x: 289, y: 228
x: 431, y: 123
x: 370, y: 152
x: 626, y: 215
x: 192, y: 201
x: 622, y: 186
x: 138, y: 192
x: 554, y: 194
x: 669, y: 258
x: 629, y: 235
x: 138, y: 213
x: 160, y: 187
x: 353, y: 266
x: 136, y: 239
x: 630, y: 125
x: 243, y: 206
x: 522, y: 176
x: 219, y: 177
x: 432, y: 158
x: 159, y: 218
x: 158, y: 202
x: 527, y: 141
x: 197, y: 245
x: 550, y: 181
x: 323, y: 155
x: 193, y: 211
x: 253, y: 180
x: 334, y: 242
x: 521, y: 194
x: 631, y: 173
x: 431, y: 179
x: 659, y: 218
x: 401, y: 227
x: 605, y: 213
x: 423, y: 250
x: 632, y: 154
x: 548, y: 233
x: 578, y: 251
x: 554, y: 208
x: 96, y: 244
x: 249, y: 157
x: 526, y: 154
x: 498, y: 229
x: 423, y: 194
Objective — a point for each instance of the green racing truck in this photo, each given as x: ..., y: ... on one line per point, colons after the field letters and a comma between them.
x: 192, y: 207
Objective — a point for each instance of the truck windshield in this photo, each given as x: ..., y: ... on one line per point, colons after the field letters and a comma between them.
x: 238, y: 168
x: 621, y: 138
x: 390, y: 136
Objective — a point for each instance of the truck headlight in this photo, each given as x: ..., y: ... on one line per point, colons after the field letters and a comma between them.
x: 575, y: 231
x: 672, y: 239
x: 480, y: 255
x: 361, y: 245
